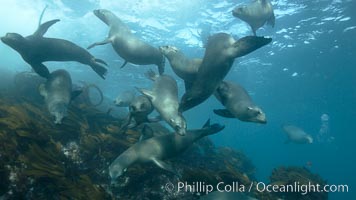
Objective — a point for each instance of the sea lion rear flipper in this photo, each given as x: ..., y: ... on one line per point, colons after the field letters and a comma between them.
x: 107, y: 40
x: 150, y: 94
x: 224, y: 113
x: 271, y: 20
x: 41, y: 70
x: 123, y: 65
x: 42, y: 29
x: 99, y: 69
x: 207, y: 123
x: 155, y: 119
x: 100, y: 61
x: 75, y: 94
x: 165, y: 166
x: 249, y: 44
x: 150, y: 74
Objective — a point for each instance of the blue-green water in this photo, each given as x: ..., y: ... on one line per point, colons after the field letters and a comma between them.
x: 307, y: 71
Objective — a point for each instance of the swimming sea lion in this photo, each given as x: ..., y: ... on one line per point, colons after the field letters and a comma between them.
x: 126, y: 44
x: 238, y: 104
x: 297, y: 135
x: 164, y: 97
x: 159, y: 148
x: 125, y: 98
x: 221, y: 51
x: 36, y: 49
x: 256, y: 14
x: 57, y: 92
x: 139, y: 109
x: 184, y: 67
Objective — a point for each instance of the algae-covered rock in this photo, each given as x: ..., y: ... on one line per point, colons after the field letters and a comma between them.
x: 301, y: 180
x: 41, y: 160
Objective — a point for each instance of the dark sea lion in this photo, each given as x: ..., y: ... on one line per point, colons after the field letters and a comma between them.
x: 36, y: 49
x: 164, y: 97
x: 256, y: 14
x: 297, y: 135
x: 221, y: 51
x: 159, y: 148
x: 182, y: 66
x: 139, y: 109
x: 126, y: 44
x: 238, y: 103
x: 58, y: 93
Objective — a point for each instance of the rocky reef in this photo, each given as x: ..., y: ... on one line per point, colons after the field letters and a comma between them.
x: 299, y: 177
x: 41, y: 160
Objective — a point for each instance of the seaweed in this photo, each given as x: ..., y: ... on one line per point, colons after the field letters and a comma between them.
x: 301, y: 176
x: 41, y: 160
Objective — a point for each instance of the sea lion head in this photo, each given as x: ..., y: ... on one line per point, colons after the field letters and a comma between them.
x: 179, y: 124
x: 104, y: 15
x: 141, y: 104
x: 14, y: 40
x: 309, y: 139
x: 255, y: 114
x: 239, y: 11
x: 119, y: 102
x: 59, y: 111
x: 168, y: 49
x: 115, y: 171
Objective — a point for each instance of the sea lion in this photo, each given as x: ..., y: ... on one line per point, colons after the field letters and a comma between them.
x: 297, y: 135
x: 57, y: 92
x: 159, y: 148
x: 164, y: 98
x: 221, y: 51
x: 125, y: 98
x: 256, y: 14
x: 182, y: 66
x: 139, y: 109
x: 36, y: 49
x: 126, y: 44
x: 238, y: 104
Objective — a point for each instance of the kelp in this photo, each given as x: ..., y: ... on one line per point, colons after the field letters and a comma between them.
x: 42, y: 160
x: 300, y: 176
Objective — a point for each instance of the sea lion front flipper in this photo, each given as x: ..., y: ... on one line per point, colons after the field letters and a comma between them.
x: 165, y: 166
x: 107, y: 40
x: 75, y: 94
x: 41, y: 70
x: 249, y: 44
x: 42, y: 90
x: 42, y: 29
x: 224, y: 113
x: 123, y: 65
x: 150, y: 94
x: 155, y: 119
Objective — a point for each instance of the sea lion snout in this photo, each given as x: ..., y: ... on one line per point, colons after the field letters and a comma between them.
x: 238, y: 11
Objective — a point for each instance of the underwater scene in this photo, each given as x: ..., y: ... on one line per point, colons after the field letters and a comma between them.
x: 199, y: 99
